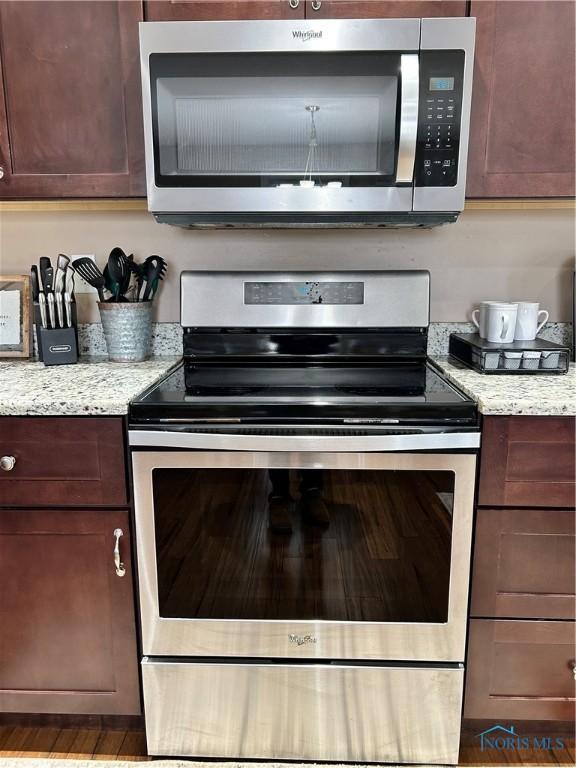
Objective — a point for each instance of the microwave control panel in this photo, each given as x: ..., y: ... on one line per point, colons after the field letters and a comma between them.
x: 439, y: 116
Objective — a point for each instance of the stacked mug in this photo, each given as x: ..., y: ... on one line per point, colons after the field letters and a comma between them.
x: 504, y: 322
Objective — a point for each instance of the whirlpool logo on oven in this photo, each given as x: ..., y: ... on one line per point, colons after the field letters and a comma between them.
x: 305, y: 35
x: 302, y: 639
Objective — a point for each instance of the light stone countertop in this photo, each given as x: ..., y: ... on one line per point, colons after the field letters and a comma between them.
x: 515, y: 394
x: 92, y: 387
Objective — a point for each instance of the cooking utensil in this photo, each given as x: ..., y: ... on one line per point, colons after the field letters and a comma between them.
x: 34, y: 281
x: 90, y: 273
x: 68, y: 293
x: 118, y: 273
x: 154, y: 269
x: 138, y: 275
x: 49, y: 290
x: 44, y: 265
x: 42, y: 304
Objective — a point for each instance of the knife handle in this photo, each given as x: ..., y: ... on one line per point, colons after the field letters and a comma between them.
x: 42, y: 303
x: 68, y: 305
x: 51, y: 312
x: 60, y: 310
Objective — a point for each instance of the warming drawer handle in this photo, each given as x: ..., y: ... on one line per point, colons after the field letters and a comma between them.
x: 118, y: 564
x: 409, y: 73
x: 7, y: 463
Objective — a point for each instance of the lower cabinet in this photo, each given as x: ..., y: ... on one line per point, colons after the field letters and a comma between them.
x: 68, y: 631
x: 520, y: 670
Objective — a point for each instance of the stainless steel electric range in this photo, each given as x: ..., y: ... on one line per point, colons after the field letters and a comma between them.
x: 304, y: 486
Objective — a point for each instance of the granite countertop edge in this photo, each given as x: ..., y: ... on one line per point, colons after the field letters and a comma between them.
x: 514, y: 395
x: 92, y: 387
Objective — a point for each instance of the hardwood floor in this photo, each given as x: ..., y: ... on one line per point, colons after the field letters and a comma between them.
x: 98, y: 744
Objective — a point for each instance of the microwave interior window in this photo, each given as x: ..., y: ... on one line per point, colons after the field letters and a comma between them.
x: 275, y: 119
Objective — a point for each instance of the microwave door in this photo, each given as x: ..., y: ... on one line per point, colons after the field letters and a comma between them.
x: 284, y: 131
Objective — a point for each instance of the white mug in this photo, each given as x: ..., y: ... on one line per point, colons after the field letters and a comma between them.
x: 479, y: 317
x: 528, y: 324
x: 501, y: 322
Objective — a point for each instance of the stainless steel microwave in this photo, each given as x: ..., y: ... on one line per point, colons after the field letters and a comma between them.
x: 324, y: 123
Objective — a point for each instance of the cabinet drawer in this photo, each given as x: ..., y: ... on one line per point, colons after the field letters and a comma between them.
x: 527, y: 461
x: 63, y: 461
x: 520, y: 670
x: 524, y: 564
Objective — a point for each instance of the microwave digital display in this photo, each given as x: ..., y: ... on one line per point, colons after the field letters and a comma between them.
x: 441, y: 83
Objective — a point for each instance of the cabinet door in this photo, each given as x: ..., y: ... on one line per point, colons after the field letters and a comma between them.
x: 67, y: 625
x: 520, y: 670
x: 527, y: 461
x: 221, y: 10
x: 522, y: 123
x: 70, y: 110
x: 383, y: 9
x: 524, y: 564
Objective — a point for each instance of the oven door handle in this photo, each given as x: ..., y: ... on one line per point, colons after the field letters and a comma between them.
x: 223, y: 441
x: 409, y: 87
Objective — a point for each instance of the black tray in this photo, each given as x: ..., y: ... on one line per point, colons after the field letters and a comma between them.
x: 488, y: 357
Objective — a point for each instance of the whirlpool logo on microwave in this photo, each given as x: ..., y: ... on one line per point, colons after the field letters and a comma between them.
x: 305, y: 35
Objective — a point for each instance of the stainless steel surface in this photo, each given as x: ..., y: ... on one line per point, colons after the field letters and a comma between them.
x: 42, y: 303
x: 7, y: 463
x: 309, y: 35
x: 451, y: 34
x: 118, y: 564
x: 286, y: 711
x: 211, y: 441
x: 263, y: 36
x: 51, y: 310
x: 408, y: 117
x: 335, y: 640
x: 391, y: 300
x: 127, y: 330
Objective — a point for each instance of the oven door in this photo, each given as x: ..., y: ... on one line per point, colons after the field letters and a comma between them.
x: 373, y: 562
x: 307, y: 117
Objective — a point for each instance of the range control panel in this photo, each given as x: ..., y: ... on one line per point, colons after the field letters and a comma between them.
x: 439, y: 115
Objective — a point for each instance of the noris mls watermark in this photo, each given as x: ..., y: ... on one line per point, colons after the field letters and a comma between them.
x: 505, y: 738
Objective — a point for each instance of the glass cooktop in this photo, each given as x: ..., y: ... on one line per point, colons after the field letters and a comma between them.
x: 399, y: 392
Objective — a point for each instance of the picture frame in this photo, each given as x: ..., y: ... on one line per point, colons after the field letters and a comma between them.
x: 15, y: 317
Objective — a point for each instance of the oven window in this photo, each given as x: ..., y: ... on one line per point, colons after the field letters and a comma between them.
x: 341, y: 545
x: 274, y: 119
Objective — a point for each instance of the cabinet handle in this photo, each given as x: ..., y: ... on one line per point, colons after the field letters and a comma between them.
x: 573, y: 668
x: 1, y: 172
x: 7, y: 463
x: 118, y: 564
x: 316, y: 5
x: 293, y: 4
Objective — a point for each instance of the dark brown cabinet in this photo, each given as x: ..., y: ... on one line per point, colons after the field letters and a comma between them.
x: 67, y: 626
x: 70, y: 99
x: 67, y: 617
x: 522, y: 122
x: 222, y: 10
x: 383, y: 9
x: 62, y: 461
x: 521, y: 658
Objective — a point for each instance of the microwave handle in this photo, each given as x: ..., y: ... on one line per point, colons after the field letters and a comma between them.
x: 409, y: 88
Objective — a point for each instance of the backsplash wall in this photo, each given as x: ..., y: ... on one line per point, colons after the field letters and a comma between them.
x: 485, y: 255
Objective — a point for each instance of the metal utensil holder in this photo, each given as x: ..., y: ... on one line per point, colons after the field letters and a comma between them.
x: 57, y: 346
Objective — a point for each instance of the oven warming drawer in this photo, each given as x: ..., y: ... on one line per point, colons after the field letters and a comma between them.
x: 369, y: 713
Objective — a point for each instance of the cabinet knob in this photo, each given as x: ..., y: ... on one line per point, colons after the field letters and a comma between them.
x: 316, y: 5
x: 1, y: 172
x: 118, y: 564
x: 573, y: 668
x: 293, y: 4
x: 7, y: 463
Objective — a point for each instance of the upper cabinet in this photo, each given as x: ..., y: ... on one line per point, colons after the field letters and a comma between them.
x: 222, y: 10
x: 383, y: 9
x: 70, y: 99
x: 522, y: 123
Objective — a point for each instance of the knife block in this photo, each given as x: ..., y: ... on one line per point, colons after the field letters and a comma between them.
x: 56, y: 346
